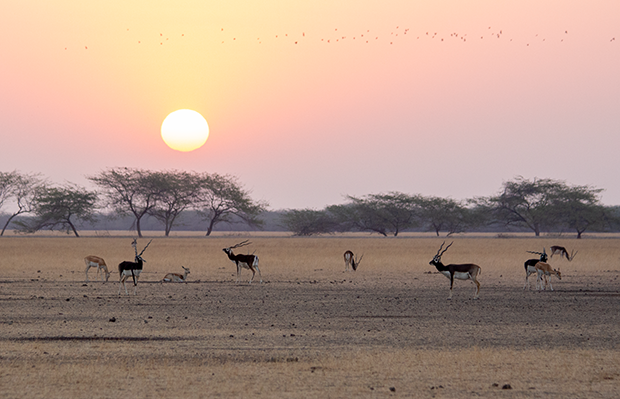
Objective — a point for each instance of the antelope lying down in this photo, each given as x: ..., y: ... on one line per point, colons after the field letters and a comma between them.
x: 176, y: 277
x: 545, y: 271
x: 467, y: 271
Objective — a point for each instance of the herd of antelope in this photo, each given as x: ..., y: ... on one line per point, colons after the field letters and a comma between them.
x: 464, y: 271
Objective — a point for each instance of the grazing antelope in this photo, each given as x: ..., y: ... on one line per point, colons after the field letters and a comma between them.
x: 563, y: 252
x: 530, y: 266
x: 176, y: 277
x: 99, y: 263
x: 545, y: 269
x: 132, y: 269
x: 467, y: 271
x: 244, y: 261
x: 350, y: 259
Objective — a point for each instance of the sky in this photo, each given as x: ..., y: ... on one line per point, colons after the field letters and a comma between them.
x: 310, y: 101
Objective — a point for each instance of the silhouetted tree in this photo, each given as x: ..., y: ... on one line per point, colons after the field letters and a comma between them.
x: 444, y: 214
x: 130, y: 191
x: 380, y: 213
x: 307, y: 222
x: 20, y: 187
x: 60, y: 207
x: 177, y: 191
x: 220, y: 197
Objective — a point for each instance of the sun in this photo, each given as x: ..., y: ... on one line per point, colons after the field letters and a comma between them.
x: 184, y: 130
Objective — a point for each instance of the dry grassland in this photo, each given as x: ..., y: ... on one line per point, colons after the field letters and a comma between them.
x: 311, y: 330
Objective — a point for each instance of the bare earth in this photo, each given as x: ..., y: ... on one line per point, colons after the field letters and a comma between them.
x: 310, y: 330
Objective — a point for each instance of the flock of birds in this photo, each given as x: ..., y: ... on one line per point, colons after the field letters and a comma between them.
x: 396, y: 35
x: 465, y: 271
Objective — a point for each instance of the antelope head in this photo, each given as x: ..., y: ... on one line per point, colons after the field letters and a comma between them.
x: 437, y: 258
x: 543, y: 254
x: 356, y: 262
x: 572, y: 255
x: 139, y: 256
x: 239, y: 245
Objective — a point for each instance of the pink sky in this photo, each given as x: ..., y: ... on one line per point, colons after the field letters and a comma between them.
x: 85, y: 86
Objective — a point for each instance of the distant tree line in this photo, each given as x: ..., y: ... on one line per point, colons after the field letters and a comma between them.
x: 172, y: 197
x: 163, y: 195
x: 537, y: 205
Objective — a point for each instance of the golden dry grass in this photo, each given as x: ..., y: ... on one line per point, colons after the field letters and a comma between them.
x: 310, y: 330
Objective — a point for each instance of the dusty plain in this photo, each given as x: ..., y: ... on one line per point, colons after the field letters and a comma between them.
x: 311, y: 329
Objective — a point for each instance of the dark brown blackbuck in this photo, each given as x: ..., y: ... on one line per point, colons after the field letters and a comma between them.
x: 530, y: 265
x: 243, y: 261
x: 351, y: 260
x: 133, y: 269
x: 465, y: 271
x: 556, y: 249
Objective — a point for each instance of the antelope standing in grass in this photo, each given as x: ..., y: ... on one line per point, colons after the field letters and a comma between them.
x: 545, y: 271
x: 466, y: 271
x: 563, y: 252
x: 99, y: 263
x: 530, y: 266
x: 176, y: 277
x: 244, y: 261
x: 132, y: 269
x: 351, y: 260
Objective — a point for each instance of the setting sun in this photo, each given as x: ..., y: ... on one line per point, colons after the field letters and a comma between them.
x: 184, y: 130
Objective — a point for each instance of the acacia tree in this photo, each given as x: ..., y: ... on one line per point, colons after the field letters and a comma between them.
x: 579, y: 209
x: 130, y: 191
x: 379, y: 213
x: 60, y: 207
x: 219, y: 198
x: 443, y: 214
x: 20, y: 187
x: 527, y: 203
x: 177, y: 192
x: 306, y: 222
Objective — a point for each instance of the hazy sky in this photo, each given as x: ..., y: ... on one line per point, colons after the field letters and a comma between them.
x: 310, y: 100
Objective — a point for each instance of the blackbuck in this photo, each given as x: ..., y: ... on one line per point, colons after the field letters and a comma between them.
x: 244, y: 261
x: 351, y: 260
x: 176, y: 277
x: 556, y: 249
x: 133, y: 269
x: 545, y: 271
x: 466, y: 271
x: 99, y: 263
x: 530, y: 266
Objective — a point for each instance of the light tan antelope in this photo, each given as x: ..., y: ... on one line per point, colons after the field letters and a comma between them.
x: 466, y: 271
x: 563, y: 252
x: 99, y: 263
x: 530, y: 266
x: 545, y: 270
x: 176, y: 277
x: 351, y: 260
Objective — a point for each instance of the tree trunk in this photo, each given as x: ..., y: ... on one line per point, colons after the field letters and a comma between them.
x: 73, y: 228
x: 138, y: 229
x: 7, y: 223
x: 210, y: 228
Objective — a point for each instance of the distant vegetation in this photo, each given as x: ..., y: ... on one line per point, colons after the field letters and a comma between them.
x: 137, y: 199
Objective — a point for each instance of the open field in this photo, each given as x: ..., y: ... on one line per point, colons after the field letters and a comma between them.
x: 311, y: 330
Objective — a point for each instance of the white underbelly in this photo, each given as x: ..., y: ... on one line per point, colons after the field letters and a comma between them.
x: 457, y: 275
